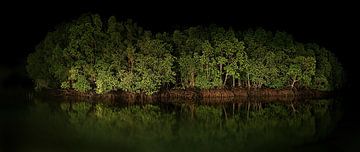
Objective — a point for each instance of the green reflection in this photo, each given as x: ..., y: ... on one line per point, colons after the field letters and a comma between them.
x: 243, y: 126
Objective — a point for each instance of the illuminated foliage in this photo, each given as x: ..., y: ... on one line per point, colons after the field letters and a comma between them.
x: 90, y: 55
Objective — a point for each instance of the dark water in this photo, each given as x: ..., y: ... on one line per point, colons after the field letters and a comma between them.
x: 44, y: 123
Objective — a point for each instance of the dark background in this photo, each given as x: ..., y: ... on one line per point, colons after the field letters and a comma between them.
x: 332, y: 25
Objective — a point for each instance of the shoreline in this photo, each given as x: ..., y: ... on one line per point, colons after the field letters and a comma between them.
x: 193, y: 94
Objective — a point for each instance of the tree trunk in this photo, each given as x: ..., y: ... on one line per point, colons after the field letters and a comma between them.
x: 225, y: 79
x: 130, y: 62
x: 293, y: 83
x: 192, y: 79
x: 207, y: 71
x: 239, y: 83
x: 221, y: 66
x: 248, y: 80
x: 233, y: 81
x: 131, y: 65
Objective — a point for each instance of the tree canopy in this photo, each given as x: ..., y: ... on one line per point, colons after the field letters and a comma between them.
x: 93, y: 54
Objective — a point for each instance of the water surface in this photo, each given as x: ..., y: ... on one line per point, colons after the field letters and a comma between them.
x: 45, y: 123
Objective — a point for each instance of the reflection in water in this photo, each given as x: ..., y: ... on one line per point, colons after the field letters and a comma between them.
x: 175, y: 126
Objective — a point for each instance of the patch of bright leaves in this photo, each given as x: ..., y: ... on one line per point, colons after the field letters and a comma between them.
x: 93, y: 54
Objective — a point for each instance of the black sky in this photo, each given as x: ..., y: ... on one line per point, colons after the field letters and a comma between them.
x: 331, y: 25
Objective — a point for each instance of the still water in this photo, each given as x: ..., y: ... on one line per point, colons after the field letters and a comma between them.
x: 45, y: 123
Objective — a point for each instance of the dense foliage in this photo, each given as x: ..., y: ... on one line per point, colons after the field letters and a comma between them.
x: 93, y: 54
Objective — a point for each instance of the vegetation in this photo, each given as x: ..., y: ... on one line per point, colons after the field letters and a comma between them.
x: 93, y: 54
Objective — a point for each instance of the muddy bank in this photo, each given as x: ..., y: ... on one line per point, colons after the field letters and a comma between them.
x: 190, y: 94
x: 238, y: 92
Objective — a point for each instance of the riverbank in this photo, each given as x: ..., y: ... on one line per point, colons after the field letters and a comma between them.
x: 190, y: 94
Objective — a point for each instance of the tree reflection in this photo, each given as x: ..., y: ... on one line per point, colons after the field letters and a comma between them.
x: 190, y: 126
